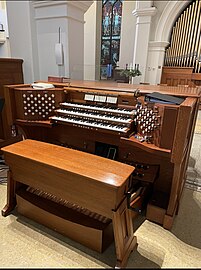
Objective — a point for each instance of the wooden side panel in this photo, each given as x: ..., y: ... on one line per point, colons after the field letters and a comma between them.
x: 92, y: 237
x: 168, y: 127
x: 11, y: 199
x: 182, y: 129
x: 181, y: 151
x: 125, y: 241
x: 10, y: 108
x: 11, y: 72
x: 174, y: 76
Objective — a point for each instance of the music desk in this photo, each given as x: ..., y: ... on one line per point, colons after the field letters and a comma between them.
x: 90, y: 181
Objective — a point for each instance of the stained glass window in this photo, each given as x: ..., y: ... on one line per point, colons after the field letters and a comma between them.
x: 111, y: 31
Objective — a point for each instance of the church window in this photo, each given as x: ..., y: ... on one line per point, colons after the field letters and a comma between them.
x: 110, y: 36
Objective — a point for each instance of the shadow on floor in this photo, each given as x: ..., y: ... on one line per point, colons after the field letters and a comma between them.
x: 107, y: 259
x: 187, y: 223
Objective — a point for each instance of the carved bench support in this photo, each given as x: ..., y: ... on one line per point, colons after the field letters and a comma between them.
x: 125, y: 241
x: 11, y: 198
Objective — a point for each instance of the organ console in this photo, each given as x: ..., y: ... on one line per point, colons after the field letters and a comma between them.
x: 147, y: 127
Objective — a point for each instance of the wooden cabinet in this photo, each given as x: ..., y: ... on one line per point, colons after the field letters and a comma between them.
x: 174, y: 76
x: 180, y: 76
x: 11, y: 72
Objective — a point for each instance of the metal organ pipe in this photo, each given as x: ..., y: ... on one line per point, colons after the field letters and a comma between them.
x: 185, y: 46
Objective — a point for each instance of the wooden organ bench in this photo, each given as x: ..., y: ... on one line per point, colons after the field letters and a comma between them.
x: 57, y: 187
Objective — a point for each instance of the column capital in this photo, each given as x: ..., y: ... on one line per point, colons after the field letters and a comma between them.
x: 82, y: 5
x: 151, y: 11
x: 158, y: 45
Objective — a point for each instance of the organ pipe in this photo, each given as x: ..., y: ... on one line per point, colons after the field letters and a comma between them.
x: 185, y: 46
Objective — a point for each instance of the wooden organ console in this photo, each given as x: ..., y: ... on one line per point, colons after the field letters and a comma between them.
x: 122, y: 122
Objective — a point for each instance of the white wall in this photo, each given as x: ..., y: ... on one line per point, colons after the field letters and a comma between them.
x: 3, y: 16
x: 48, y: 21
x: 21, y: 36
x: 127, y: 34
x: 76, y: 42
x: 34, y: 29
x: 70, y: 19
x: 160, y: 5
x: 4, y: 46
x: 90, y: 42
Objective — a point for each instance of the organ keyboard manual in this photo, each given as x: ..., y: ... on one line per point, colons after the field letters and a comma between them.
x: 96, y: 111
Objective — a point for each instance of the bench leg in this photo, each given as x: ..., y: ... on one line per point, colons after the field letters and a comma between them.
x: 125, y: 241
x: 11, y: 198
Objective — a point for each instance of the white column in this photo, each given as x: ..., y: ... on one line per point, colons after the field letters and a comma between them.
x: 143, y: 13
x: 68, y: 16
x: 34, y: 31
x: 155, y: 61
